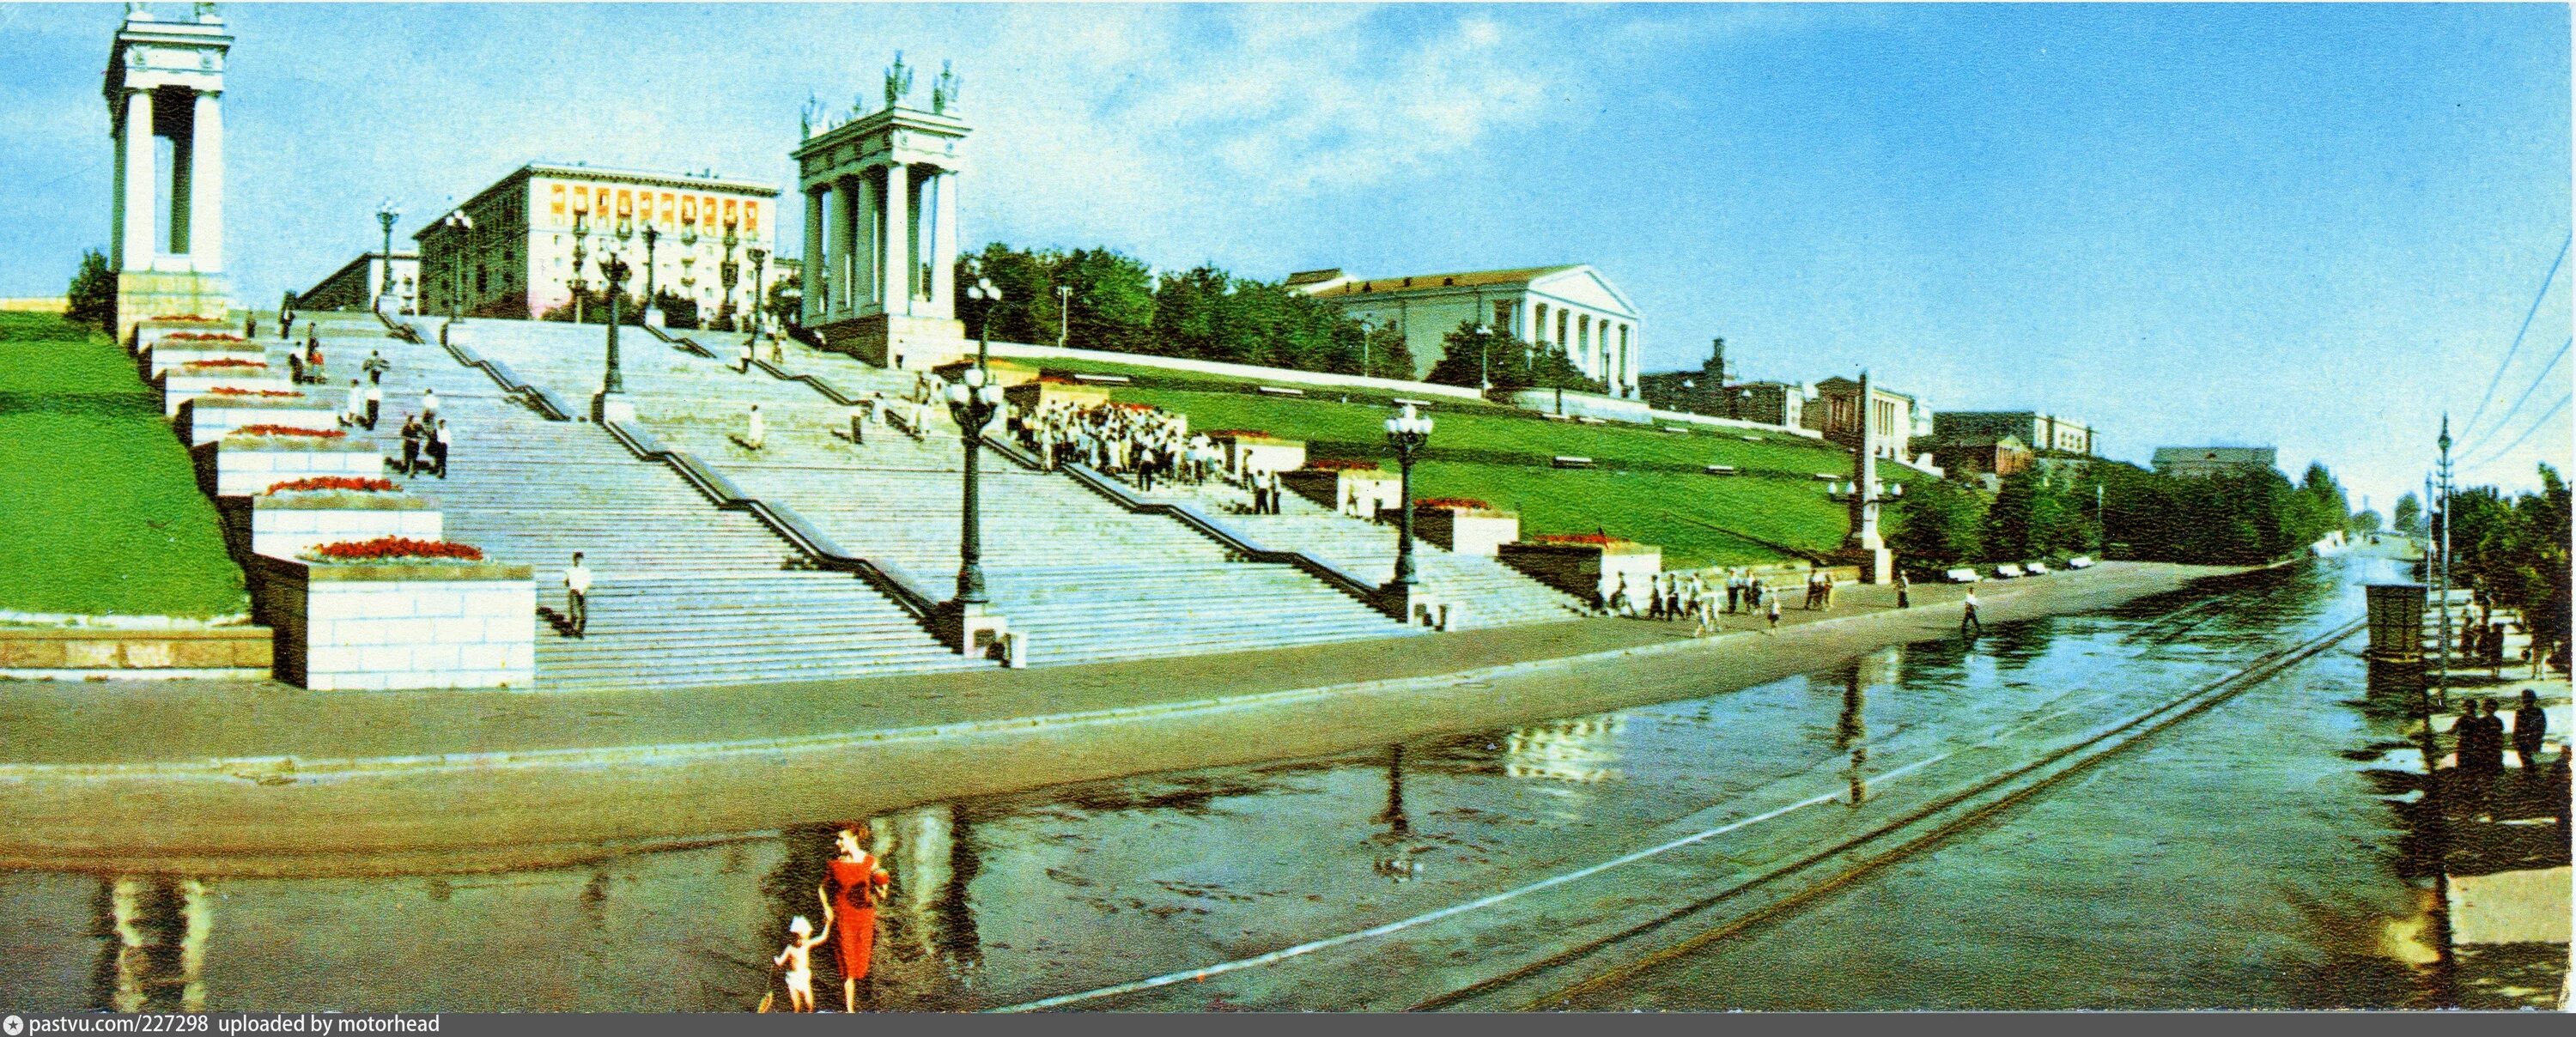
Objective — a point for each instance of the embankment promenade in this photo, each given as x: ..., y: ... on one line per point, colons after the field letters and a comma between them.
x: 264, y: 778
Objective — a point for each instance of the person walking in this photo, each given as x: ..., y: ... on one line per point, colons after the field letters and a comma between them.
x: 1904, y: 591
x: 376, y: 364
x: 745, y: 366
x: 411, y: 438
x: 354, y: 412
x: 858, y: 884
x: 1968, y: 615
x: 375, y: 397
x: 577, y: 598
x: 1772, y: 606
x: 313, y: 352
x: 1734, y: 591
x: 438, y: 446
x: 428, y: 405
x: 294, y: 367
x: 859, y: 423
x: 286, y: 325
x: 755, y: 429
x: 2530, y: 726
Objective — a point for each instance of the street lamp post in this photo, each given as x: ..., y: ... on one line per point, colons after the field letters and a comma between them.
x: 462, y: 225
x: 612, y: 268
x: 1406, y: 432
x: 973, y: 401
x: 1063, y: 314
x: 758, y: 256
x: 1368, y: 330
x: 579, y: 282
x: 652, y: 297
x: 1484, y: 357
x: 728, y: 273
x: 386, y: 214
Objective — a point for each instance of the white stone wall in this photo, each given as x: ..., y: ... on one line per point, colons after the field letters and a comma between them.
x: 163, y: 358
x: 402, y: 628
x: 150, y: 333
x: 286, y: 531
x: 242, y: 471
x: 1467, y: 532
x: 177, y: 388
x: 207, y: 419
x: 1272, y: 455
x: 1583, y: 404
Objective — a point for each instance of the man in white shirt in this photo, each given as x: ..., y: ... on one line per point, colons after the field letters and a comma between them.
x: 746, y: 356
x: 375, y: 397
x: 1968, y: 615
x: 355, y: 413
x: 577, y: 589
x: 438, y: 444
x: 428, y: 404
x: 756, y: 431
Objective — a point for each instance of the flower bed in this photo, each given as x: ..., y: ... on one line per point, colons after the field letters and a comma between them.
x: 202, y: 336
x: 224, y: 362
x: 1239, y: 433
x: 1339, y: 464
x: 288, y: 430
x: 232, y: 390
x: 334, y: 483
x: 1465, y: 503
x: 1593, y: 539
x: 183, y: 318
x: 393, y: 549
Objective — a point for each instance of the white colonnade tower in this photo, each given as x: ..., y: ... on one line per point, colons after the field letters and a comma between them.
x: 881, y: 228
x: 165, y: 81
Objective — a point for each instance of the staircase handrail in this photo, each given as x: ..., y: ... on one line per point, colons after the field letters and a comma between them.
x: 683, y: 341
x: 538, y: 396
x: 1234, y: 540
x: 896, y: 583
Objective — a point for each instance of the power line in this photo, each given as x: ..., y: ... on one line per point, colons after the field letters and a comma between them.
x: 2536, y: 426
x: 2507, y: 417
x: 2471, y: 425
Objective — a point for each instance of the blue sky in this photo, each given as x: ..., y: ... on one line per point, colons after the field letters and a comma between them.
x: 2310, y: 226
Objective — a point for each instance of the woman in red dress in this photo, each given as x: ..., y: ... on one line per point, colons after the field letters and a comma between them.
x: 857, y: 885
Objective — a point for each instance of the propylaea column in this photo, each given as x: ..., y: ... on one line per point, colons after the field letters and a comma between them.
x: 206, y: 186
x: 844, y: 230
x: 139, y: 181
x: 816, y: 273
x: 943, y: 249
x: 895, y: 268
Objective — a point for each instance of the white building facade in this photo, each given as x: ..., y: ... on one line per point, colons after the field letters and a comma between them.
x: 1573, y: 309
x: 532, y: 227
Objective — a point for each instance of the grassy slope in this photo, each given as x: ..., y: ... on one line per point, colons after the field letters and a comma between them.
x: 99, y: 507
x: 1649, y: 485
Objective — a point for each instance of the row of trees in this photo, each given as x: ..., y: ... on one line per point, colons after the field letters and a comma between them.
x: 1107, y: 300
x: 2516, y: 548
x: 2119, y: 510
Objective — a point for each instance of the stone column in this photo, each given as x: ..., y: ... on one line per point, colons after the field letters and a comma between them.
x: 139, y: 174
x: 206, y: 186
x: 844, y: 227
x: 866, y: 242
x: 896, y: 266
x: 943, y: 248
x: 816, y: 274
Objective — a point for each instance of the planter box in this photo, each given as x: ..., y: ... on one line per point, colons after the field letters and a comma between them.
x: 129, y: 654
x: 1029, y: 396
x: 286, y: 525
x: 1467, y: 531
x: 161, y: 358
x: 386, y: 626
x: 178, y: 386
x: 1004, y: 373
x: 150, y: 333
x: 1585, y: 570
x: 1359, y: 494
x: 206, y: 418
x: 243, y: 465
x: 1261, y: 453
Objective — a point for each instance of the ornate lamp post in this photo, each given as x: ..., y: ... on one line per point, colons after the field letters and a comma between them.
x: 1406, y: 432
x: 757, y: 255
x: 973, y: 401
x: 652, y: 298
x: 578, y: 282
x: 1368, y: 330
x: 386, y: 214
x: 458, y: 223
x: 1063, y: 314
x: 728, y: 272
x: 1484, y: 357
x: 613, y: 268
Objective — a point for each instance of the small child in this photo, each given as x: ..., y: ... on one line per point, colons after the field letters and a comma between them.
x: 798, y: 959
x: 1771, y: 608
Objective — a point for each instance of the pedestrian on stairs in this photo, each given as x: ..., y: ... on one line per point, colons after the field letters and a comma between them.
x: 375, y: 397
x: 438, y: 444
x: 294, y: 367
x: 428, y: 405
x: 250, y: 325
x: 355, y: 413
x: 577, y: 598
x: 756, y: 429
x: 313, y: 351
x: 859, y: 423
x: 410, y: 445
x: 376, y: 364
x: 286, y: 324
x: 745, y: 366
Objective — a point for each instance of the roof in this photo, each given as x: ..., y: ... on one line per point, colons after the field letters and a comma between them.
x: 2247, y: 455
x: 1313, y: 276
x: 1423, y: 282
x: 1839, y: 381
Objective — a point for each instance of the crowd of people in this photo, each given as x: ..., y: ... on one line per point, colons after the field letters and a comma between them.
x: 1129, y: 441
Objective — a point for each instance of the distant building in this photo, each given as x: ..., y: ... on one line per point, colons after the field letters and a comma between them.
x: 1692, y: 392
x: 517, y: 261
x: 2195, y: 462
x: 1770, y: 403
x: 356, y: 285
x: 1998, y: 456
x: 2041, y: 432
x: 1572, y: 308
x: 1836, y: 412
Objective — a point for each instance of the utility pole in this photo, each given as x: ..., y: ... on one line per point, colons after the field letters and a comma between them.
x: 2442, y: 671
x: 1063, y: 314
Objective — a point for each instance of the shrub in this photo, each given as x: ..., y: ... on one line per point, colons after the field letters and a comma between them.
x: 91, y: 298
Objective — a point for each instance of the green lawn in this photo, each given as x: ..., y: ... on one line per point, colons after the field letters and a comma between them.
x: 1649, y: 485
x: 99, y: 508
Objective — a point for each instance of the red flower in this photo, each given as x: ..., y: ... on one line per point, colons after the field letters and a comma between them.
x: 1469, y: 503
x: 225, y: 362
x: 186, y: 317
x: 1238, y: 433
x: 287, y: 430
x: 226, y: 390
x: 335, y: 482
x: 1339, y: 464
x: 202, y: 336
x: 1592, y: 539
x: 394, y: 548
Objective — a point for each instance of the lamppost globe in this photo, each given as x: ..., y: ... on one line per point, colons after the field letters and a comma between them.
x: 386, y: 214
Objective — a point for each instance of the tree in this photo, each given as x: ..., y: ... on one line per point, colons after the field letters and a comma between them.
x: 2409, y: 517
x: 1938, y: 522
x: 1469, y: 356
x: 2365, y: 522
x: 2031, y: 517
x: 91, y: 299
x: 678, y: 311
x: 1113, y: 301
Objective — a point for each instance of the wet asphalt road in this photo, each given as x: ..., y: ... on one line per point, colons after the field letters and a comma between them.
x: 2239, y: 858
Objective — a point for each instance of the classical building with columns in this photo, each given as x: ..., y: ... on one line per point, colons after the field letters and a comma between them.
x: 881, y: 230
x: 1572, y: 308
x: 546, y: 227
x: 165, y: 82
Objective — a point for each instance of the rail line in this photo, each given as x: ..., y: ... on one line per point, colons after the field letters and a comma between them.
x: 1947, y: 813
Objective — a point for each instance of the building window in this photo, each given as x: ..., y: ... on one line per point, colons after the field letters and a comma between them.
x: 1503, y: 317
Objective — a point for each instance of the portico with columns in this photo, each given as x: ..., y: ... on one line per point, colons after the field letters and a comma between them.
x: 881, y: 235
x: 165, y: 81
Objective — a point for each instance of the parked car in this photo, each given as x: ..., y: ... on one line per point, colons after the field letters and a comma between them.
x: 2008, y: 571
x: 2037, y: 568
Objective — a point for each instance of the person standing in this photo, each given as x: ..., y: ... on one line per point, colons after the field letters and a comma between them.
x: 858, y: 884
x: 354, y: 413
x: 1904, y: 591
x: 376, y: 364
x: 286, y: 325
x: 2491, y: 740
x: 1734, y: 591
x: 1771, y: 607
x: 859, y: 423
x: 375, y: 397
x: 410, y: 445
x: 745, y: 365
x: 577, y: 598
x: 1968, y: 614
x: 438, y: 444
x: 755, y: 429
x: 295, y: 367
x: 428, y: 405
x: 2530, y: 726
x: 313, y: 351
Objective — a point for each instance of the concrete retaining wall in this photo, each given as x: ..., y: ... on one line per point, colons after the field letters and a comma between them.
x: 286, y: 525
x: 1466, y: 532
x: 1247, y: 372
x: 179, y: 387
x: 161, y: 358
x: 206, y: 418
x: 128, y: 654
x: 1585, y: 570
x: 243, y: 466
x: 1359, y: 494
x: 1262, y: 453
x: 379, y: 627
x: 1583, y: 404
